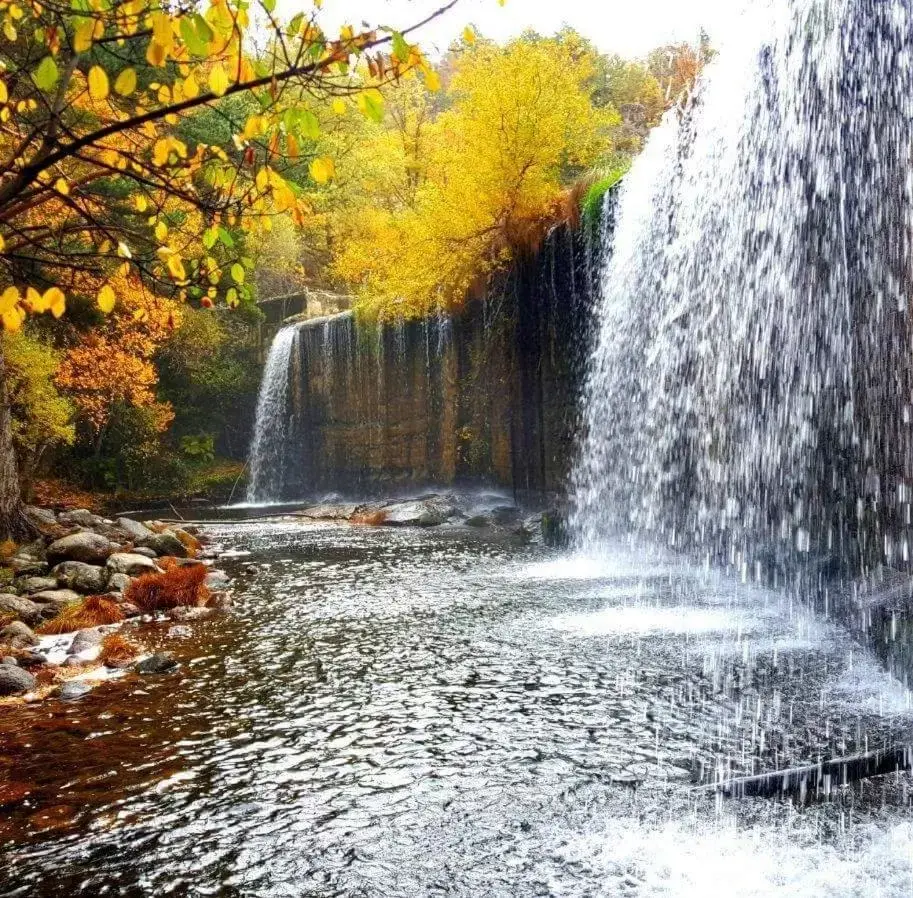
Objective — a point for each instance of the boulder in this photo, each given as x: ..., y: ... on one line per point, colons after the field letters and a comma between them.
x: 40, y: 517
x: 145, y: 552
x: 56, y: 599
x: 29, y: 585
x: 217, y: 580
x: 81, y: 577
x: 27, y: 567
x: 18, y: 636
x: 419, y: 513
x: 165, y: 543
x: 219, y: 601
x: 22, y: 609
x: 478, y: 520
x: 86, y: 546
x: 504, y: 515
x: 85, y: 640
x: 329, y: 512
x: 134, y: 529
x: 80, y: 517
x: 160, y: 662
x: 118, y: 584
x: 73, y: 690
x: 14, y: 680
x: 180, y: 631
x: 30, y: 660
x: 131, y: 564
x: 130, y: 610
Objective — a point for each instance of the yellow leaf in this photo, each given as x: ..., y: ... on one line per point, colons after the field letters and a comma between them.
x: 176, y: 267
x: 262, y: 179
x: 4, y: 93
x: 160, y: 151
x: 218, y: 80
x: 432, y: 81
x: 58, y: 304
x: 124, y: 251
x: 12, y: 320
x: 140, y: 202
x: 469, y: 35
x: 98, y: 83
x: 53, y: 298
x: 126, y: 82
x: 33, y: 300
x: 9, y: 299
x: 156, y: 54
x: 339, y: 106
x: 191, y: 88
x: 9, y: 32
x: 322, y: 169
x: 82, y: 37
x: 106, y: 299
x: 61, y: 186
x: 2, y: 243
x: 161, y: 231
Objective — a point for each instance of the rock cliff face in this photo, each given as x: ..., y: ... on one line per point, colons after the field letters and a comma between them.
x: 487, y: 396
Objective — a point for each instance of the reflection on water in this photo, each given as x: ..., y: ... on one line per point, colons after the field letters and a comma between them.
x: 401, y: 713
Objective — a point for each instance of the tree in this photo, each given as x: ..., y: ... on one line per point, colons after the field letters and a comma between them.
x: 96, y: 179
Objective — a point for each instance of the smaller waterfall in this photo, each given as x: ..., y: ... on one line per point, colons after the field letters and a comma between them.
x: 270, y: 443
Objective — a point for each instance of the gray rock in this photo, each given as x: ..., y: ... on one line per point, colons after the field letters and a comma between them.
x: 9, y: 659
x: 30, y: 660
x: 478, y: 520
x: 81, y: 577
x: 164, y: 544
x: 504, y: 515
x: 160, y: 662
x: 56, y: 599
x: 80, y: 517
x: 36, y: 551
x: 40, y: 517
x: 217, y: 580
x: 73, y: 690
x: 18, y: 636
x: 85, y: 640
x: 219, y: 601
x: 29, y: 585
x: 119, y: 583
x: 329, y: 512
x: 131, y: 564
x: 186, y: 613
x: 134, y: 529
x: 419, y: 513
x: 15, y: 680
x: 23, y: 609
x: 145, y: 552
x: 92, y: 548
x: 130, y: 610
x: 27, y: 567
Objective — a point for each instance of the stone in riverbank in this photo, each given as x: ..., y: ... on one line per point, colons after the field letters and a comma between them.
x: 81, y: 577
x: 159, y: 663
x: 134, y: 529
x: 15, y: 681
x: 18, y: 635
x: 22, y: 609
x: 85, y: 546
x: 419, y: 513
x: 57, y: 598
x: 28, y: 586
x: 131, y: 564
x: 73, y: 690
x: 165, y: 544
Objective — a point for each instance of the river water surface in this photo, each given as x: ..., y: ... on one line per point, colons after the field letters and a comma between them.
x: 424, y: 713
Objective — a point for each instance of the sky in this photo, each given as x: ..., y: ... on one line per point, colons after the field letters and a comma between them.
x: 628, y: 27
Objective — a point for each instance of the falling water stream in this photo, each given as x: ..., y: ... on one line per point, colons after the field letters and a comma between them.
x: 458, y: 712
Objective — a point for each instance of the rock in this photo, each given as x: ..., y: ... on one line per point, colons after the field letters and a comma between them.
x: 131, y: 564
x: 145, y: 552
x: 73, y: 690
x: 30, y: 660
x: 180, y: 631
x: 187, y: 613
x: 119, y: 583
x: 81, y: 577
x: 40, y: 517
x: 35, y: 551
x: 84, y: 640
x: 56, y: 599
x: 29, y: 585
x: 15, y: 680
x: 219, y: 601
x: 217, y: 580
x: 27, y: 567
x: 478, y: 520
x: 329, y: 512
x: 160, y: 662
x: 80, y: 517
x: 504, y: 515
x: 134, y: 529
x: 18, y: 636
x: 9, y: 659
x: 419, y: 513
x: 86, y: 546
x: 130, y: 610
x: 164, y: 544
x: 22, y: 609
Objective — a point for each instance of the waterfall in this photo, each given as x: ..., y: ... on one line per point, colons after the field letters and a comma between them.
x: 270, y: 445
x: 749, y: 393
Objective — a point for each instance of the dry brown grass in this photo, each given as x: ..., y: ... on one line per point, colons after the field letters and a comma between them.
x: 177, y: 587
x: 117, y: 650
x: 370, y: 518
x: 8, y: 549
x: 91, y: 612
x: 190, y: 543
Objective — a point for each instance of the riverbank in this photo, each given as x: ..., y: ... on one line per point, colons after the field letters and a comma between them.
x: 77, y: 601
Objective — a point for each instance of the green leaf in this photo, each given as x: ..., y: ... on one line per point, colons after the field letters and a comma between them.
x: 204, y: 32
x: 269, y: 5
x: 46, y: 75
x: 401, y: 49
x: 237, y: 273
x: 192, y: 39
x: 225, y: 237
x: 210, y: 235
x: 294, y: 25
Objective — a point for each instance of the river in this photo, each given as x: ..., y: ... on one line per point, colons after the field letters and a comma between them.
x: 433, y: 712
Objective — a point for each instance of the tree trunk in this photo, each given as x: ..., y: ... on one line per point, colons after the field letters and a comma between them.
x: 13, y: 523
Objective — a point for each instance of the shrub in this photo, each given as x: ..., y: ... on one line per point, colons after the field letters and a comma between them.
x: 177, y: 587
x: 116, y: 650
x: 91, y: 612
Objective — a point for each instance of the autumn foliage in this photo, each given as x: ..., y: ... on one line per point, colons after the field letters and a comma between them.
x: 93, y: 611
x: 178, y: 587
x: 117, y: 650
